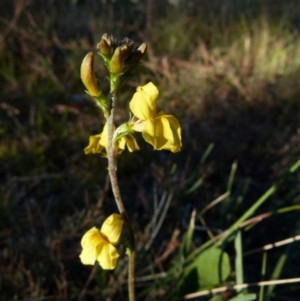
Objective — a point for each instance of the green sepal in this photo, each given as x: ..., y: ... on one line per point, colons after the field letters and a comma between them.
x: 121, y: 131
x: 106, y: 59
x: 101, y: 103
x: 115, y: 82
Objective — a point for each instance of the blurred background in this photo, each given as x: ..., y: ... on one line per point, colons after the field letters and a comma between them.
x: 228, y: 70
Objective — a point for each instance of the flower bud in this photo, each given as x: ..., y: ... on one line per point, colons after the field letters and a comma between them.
x: 125, y: 50
x: 117, y: 62
x: 139, y: 53
x: 104, y: 48
x: 107, y: 39
x: 87, y: 74
x: 142, y: 49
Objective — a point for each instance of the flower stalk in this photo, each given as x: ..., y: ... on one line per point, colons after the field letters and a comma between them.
x: 118, y: 200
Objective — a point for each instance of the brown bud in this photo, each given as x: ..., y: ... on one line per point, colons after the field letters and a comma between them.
x: 104, y: 48
x: 111, y: 42
x: 137, y: 54
x: 107, y: 39
x: 143, y: 48
x: 125, y: 51
x: 87, y: 74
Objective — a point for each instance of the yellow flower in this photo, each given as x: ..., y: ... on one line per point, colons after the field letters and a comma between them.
x: 161, y: 131
x: 94, y: 145
x: 100, y: 245
x: 99, y: 143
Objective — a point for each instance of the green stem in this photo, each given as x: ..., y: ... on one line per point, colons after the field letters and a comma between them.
x: 118, y: 199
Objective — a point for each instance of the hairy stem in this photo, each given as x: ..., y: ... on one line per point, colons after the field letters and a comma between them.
x: 118, y: 199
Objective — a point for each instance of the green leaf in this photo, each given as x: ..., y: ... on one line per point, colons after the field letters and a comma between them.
x: 209, y: 269
x: 213, y: 267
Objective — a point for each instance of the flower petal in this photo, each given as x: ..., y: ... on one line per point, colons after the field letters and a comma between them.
x: 94, y: 145
x: 98, y: 143
x: 143, y: 103
x: 163, y: 132
x: 90, y: 243
x: 112, y: 228
x: 130, y: 142
x: 104, y: 136
x: 137, y: 125
x: 108, y: 256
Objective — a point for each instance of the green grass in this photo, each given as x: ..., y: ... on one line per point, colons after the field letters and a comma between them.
x: 228, y: 72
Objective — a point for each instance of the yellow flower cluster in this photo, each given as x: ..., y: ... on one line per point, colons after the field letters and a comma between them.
x: 100, y: 245
x: 160, y: 130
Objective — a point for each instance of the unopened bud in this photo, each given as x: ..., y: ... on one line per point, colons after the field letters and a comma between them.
x: 107, y: 39
x: 136, y: 56
x: 117, y: 62
x: 87, y: 74
x: 125, y: 50
x: 104, y: 48
x: 140, y: 52
x: 143, y: 48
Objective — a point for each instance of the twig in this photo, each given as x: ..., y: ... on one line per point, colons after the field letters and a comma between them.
x: 274, y: 245
x: 214, y: 202
x: 240, y: 286
x: 118, y: 198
